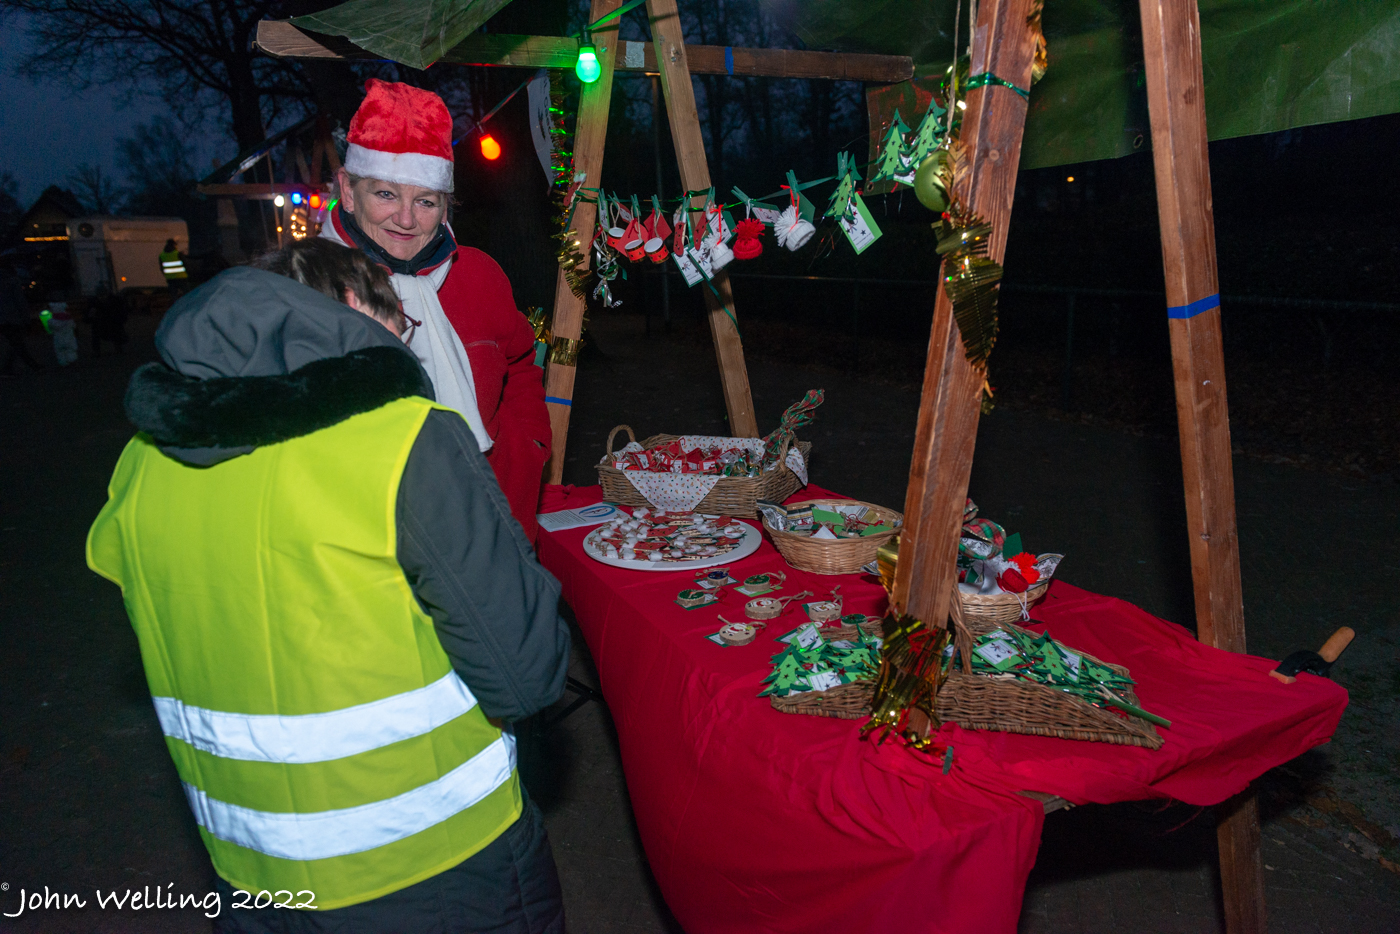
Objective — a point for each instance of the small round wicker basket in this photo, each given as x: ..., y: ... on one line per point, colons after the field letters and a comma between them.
x: 833, y: 556
x: 985, y: 612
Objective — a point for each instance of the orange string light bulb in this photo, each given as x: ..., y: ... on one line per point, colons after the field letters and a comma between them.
x: 490, y: 149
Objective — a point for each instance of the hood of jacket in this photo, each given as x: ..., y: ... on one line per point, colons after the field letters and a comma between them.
x: 253, y: 358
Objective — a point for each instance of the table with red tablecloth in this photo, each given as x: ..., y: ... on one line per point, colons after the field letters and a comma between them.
x: 755, y: 820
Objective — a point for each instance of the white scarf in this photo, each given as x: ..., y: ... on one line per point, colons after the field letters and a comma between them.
x: 435, y: 342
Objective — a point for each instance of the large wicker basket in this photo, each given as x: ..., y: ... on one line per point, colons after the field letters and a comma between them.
x: 833, y: 556
x: 979, y: 702
x: 731, y: 496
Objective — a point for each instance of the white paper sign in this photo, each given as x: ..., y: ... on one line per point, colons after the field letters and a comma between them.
x: 596, y: 514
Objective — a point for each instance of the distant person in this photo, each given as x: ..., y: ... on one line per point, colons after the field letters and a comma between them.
x: 109, y: 314
x: 14, y: 322
x: 64, y: 329
x: 172, y: 263
x: 478, y: 349
x: 337, y: 615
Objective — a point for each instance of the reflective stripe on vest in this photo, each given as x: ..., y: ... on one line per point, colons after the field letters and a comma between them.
x: 316, y: 737
x: 326, y: 834
x: 172, y: 266
x: 306, y: 700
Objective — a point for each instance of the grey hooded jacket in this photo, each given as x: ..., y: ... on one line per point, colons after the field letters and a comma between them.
x: 252, y: 358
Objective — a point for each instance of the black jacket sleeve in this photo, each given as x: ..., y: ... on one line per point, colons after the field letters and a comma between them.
x: 495, y: 608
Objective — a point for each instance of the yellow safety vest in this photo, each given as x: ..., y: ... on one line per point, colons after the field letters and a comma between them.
x: 322, y: 737
x: 172, y: 265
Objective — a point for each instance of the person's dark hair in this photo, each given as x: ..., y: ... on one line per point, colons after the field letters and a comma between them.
x: 330, y: 269
x: 169, y: 245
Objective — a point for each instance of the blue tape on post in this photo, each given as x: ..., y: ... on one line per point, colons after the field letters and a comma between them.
x: 1195, y: 308
x: 558, y: 401
x: 729, y: 60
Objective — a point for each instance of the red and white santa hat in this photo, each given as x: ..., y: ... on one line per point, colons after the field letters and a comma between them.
x: 401, y: 134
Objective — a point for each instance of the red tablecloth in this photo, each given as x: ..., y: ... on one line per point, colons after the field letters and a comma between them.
x: 755, y: 820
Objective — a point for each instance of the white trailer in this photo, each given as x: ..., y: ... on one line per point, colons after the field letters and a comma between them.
x: 120, y: 253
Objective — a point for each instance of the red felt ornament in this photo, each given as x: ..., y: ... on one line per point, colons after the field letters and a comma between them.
x: 1011, y: 581
x: 747, y: 244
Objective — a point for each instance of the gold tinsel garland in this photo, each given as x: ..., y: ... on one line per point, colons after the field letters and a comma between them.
x: 568, y: 255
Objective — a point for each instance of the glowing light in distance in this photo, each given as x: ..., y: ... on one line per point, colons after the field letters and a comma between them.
x: 490, y: 149
x: 296, y: 197
x: 279, y: 201
x: 1070, y: 179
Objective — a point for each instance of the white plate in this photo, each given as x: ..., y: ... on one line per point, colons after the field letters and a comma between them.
x: 746, y: 546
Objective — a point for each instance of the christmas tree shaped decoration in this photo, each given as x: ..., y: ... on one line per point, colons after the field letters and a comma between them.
x: 892, y: 162
x: 789, y: 675
x: 925, y: 141
x: 840, y: 204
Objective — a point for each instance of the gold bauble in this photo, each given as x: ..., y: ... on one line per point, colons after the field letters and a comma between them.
x: 929, y: 182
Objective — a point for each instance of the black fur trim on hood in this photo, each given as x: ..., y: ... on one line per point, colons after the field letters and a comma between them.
x: 205, y: 421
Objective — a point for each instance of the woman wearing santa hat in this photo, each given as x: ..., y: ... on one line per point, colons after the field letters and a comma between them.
x: 478, y: 349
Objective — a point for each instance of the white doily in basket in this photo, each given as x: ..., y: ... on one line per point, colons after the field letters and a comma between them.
x: 673, y: 492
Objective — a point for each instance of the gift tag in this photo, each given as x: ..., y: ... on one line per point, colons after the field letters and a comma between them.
x: 769, y: 216
x: 825, y: 680
x: 807, y: 636
x: 700, y: 261
x: 1071, y: 661
x: 859, y: 226
x: 1000, y: 655
x: 689, y: 270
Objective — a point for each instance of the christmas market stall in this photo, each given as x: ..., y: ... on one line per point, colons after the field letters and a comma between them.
x: 836, y: 715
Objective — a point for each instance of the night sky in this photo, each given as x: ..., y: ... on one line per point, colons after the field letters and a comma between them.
x: 46, y: 129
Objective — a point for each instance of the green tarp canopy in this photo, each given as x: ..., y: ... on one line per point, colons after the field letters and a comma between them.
x: 1269, y: 64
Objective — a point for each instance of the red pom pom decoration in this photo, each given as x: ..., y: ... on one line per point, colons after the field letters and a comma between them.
x: 747, y: 244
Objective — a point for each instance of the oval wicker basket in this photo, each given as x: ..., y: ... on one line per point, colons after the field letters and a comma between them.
x: 828, y: 555
x: 731, y: 496
x: 985, y: 612
x: 978, y: 702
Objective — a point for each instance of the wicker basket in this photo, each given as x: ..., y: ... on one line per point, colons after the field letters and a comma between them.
x: 985, y: 612
x: 731, y: 496
x: 979, y: 702
x: 833, y: 556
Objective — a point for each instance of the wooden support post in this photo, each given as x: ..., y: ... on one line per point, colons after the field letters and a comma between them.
x: 591, y: 132
x: 695, y: 176
x: 947, y: 430
x: 1171, y: 31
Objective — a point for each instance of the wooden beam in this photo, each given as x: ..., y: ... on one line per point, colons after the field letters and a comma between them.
x: 1171, y: 31
x: 255, y: 191
x: 281, y: 39
x: 695, y: 176
x: 590, y: 134
x: 951, y: 405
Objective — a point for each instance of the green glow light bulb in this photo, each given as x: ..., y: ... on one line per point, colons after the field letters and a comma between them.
x: 587, y: 67
x: 45, y: 317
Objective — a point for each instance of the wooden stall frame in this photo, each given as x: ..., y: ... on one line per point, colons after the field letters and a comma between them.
x: 950, y: 407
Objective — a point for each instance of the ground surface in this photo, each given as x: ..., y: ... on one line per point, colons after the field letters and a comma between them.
x: 90, y: 799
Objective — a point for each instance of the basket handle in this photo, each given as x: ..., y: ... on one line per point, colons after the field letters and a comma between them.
x: 613, y: 434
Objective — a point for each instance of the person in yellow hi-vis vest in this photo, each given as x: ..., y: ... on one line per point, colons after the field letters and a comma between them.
x: 172, y: 265
x: 337, y: 615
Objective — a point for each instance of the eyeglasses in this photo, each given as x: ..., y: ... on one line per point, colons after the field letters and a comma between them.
x: 407, y: 336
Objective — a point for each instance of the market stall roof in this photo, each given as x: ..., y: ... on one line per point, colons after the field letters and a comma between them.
x: 1269, y: 64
